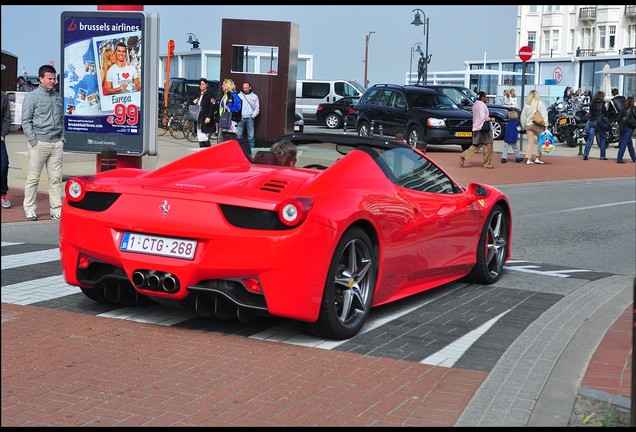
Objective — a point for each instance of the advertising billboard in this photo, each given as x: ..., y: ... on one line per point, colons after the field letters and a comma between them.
x: 102, y: 81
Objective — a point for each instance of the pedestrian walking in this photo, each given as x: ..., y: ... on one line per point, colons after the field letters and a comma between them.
x: 534, y: 124
x: 205, y: 121
x: 627, y: 124
x: 598, y: 119
x: 511, y: 137
x: 6, y: 128
x: 43, y: 124
x: 230, y: 101
x: 482, y: 136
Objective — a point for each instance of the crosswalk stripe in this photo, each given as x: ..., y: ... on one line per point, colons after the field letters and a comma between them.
x: 30, y: 258
x: 37, y: 290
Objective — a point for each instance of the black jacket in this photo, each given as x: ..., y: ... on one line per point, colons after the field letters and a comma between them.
x: 208, y: 110
x: 597, y: 109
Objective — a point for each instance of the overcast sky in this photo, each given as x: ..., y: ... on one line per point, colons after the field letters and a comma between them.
x: 335, y: 35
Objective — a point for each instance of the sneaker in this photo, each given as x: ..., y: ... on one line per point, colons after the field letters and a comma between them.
x: 539, y: 161
x: 5, y: 202
x: 55, y: 217
x: 518, y: 160
x: 31, y: 216
x: 504, y: 161
x: 529, y: 162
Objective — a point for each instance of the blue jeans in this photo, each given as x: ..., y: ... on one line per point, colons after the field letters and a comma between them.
x: 590, y: 140
x: 246, y: 123
x: 626, y: 143
x: 4, y: 179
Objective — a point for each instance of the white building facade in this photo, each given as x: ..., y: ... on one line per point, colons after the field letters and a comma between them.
x: 570, y: 44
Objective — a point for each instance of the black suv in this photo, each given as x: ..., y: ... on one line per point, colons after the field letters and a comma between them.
x: 421, y: 114
x: 182, y: 89
x: 465, y: 98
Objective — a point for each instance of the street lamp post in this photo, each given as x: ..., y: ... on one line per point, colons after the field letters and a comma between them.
x: 417, y: 48
x: 366, y: 59
x: 193, y: 40
x: 417, y: 21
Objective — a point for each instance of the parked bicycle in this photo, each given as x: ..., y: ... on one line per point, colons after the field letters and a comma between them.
x: 178, y: 122
x: 164, y: 120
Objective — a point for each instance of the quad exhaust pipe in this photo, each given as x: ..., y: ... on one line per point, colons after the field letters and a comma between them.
x: 155, y: 281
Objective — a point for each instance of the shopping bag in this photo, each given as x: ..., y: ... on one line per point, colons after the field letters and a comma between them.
x: 546, y: 142
x: 193, y: 112
x: 225, y: 120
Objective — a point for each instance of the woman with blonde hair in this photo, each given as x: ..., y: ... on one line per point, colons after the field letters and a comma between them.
x: 533, y: 104
x: 230, y: 101
x: 108, y: 58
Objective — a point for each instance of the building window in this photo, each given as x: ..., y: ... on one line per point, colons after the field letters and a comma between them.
x: 532, y: 40
x: 612, y: 37
x: 555, y: 40
x: 601, y: 37
x: 546, y: 40
x: 588, y: 39
x: 571, y: 42
x: 532, y: 9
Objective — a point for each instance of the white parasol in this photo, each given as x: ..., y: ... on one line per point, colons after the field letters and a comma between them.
x: 621, y: 70
x: 606, y: 85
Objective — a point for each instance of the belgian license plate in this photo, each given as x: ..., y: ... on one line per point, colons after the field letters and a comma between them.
x: 157, y: 245
x: 463, y: 134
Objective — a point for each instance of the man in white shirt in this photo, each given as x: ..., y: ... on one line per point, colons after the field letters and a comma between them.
x: 250, y: 108
x: 121, y: 77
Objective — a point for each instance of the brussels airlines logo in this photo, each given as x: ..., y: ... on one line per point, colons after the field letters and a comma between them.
x: 72, y: 26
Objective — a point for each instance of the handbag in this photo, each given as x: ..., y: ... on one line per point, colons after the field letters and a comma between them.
x: 602, y: 123
x: 537, y: 119
x: 486, y: 127
x: 225, y: 120
x: 193, y: 112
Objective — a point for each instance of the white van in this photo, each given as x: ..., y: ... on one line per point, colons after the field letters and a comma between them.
x: 311, y: 93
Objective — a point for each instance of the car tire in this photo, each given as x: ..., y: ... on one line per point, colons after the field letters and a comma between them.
x: 333, y: 121
x: 568, y: 136
x: 414, y: 135
x: 349, y: 287
x: 492, y: 249
x: 363, y: 128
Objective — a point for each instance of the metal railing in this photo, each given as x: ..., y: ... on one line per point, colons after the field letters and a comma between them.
x: 587, y: 13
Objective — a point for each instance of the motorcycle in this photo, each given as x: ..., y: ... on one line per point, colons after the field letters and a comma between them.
x: 575, y: 129
x: 612, y: 135
x: 567, y: 121
x: 555, y: 117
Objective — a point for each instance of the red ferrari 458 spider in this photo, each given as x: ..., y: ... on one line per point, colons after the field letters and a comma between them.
x: 235, y: 232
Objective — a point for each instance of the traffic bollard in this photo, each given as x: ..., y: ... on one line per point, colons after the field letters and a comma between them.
x: 108, y: 159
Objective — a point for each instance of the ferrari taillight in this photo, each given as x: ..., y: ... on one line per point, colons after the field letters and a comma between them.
x: 293, y: 211
x: 75, y: 189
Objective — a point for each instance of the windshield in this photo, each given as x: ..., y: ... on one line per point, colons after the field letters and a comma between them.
x: 471, y: 94
x: 357, y: 85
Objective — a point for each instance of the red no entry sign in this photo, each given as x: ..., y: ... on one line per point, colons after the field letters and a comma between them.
x: 525, y: 53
